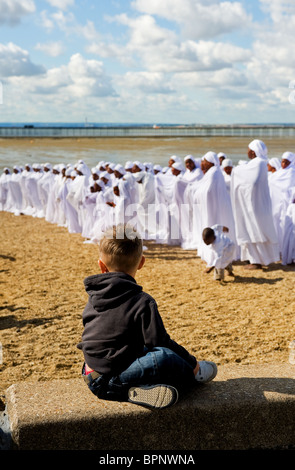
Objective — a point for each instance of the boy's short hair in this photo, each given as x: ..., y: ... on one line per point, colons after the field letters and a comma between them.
x: 208, y: 233
x: 123, y: 245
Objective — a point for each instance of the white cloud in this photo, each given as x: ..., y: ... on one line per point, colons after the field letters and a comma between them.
x: 12, y: 11
x: 146, y: 82
x: 15, y: 61
x: 80, y: 78
x: 198, y: 19
x: 61, y: 4
x: 68, y: 24
x: 160, y: 50
x: 53, y: 49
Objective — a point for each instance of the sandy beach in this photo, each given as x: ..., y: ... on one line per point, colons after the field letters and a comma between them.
x: 248, y: 319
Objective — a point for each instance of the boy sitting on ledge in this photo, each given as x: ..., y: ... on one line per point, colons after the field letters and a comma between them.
x: 128, y: 354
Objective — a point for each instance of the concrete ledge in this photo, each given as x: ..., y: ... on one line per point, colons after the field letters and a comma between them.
x: 245, y: 407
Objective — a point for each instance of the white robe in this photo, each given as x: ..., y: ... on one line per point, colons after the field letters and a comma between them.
x: 255, y: 231
x: 288, y: 248
x: 281, y: 186
x: 222, y: 250
x: 211, y: 206
x: 14, y: 200
x: 54, y: 211
x: 4, y: 179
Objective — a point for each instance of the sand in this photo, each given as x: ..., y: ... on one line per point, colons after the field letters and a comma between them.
x: 248, y: 319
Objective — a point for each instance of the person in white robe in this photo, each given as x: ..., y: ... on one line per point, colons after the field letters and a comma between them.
x: 211, y: 205
x: 89, y: 205
x: 281, y: 186
x: 193, y: 169
x: 157, y: 169
x: 25, y: 174
x: 221, y: 156
x: 273, y: 165
x: 288, y: 246
x: 54, y: 213
x: 44, y: 185
x: 128, y: 166
x: 146, y: 201
x: 172, y: 159
x: 70, y: 212
x: 184, y: 190
x: 255, y: 231
x: 103, y: 215
x: 4, y: 178
x: 222, y: 249
x: 77, y: 191
x: 14, y: 200
x: 227, y: 167
x: 164, y: 184
x: 34, y: 206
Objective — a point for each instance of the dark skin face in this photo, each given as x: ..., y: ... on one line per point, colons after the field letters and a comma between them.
x: 205, y: 166
x: 118, y: 174
x: 190, y: 165
x: 270, y: 168
x: 221, y: 159
x: 135, y: 169
x: 285, y: 163
x: 116, y: 191
x: 209, y: 240
x: 175, y: 172
x: 228, y: 170
x: 251, y: 154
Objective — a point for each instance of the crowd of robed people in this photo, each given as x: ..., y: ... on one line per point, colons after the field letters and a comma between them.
x: 254, y: 200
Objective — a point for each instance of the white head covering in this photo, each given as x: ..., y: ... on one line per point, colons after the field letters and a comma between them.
x: 81, y: 168
x: 157, y: 167
x: 290, y: 156
x: 36, y: 166
x: 221, y: 154
x: 120, y: 169
x: 226, y: 162
x: 128, y: 165
x: 105, y: 174
x: 140, y: 165
x: 112, y: 166
x: 259, y: 148
x: 178, y: 166
x: 275, y: 163
x: 212, y: 158
x: 175, y: 158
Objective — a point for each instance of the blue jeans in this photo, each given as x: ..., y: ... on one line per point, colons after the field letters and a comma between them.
x: 156, y: 366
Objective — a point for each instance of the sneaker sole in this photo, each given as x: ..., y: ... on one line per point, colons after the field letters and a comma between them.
x: 155, y: 396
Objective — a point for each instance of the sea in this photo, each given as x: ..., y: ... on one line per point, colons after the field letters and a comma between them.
x: 35, y: 142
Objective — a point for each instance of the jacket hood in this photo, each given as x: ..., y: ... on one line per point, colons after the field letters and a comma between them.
x: 109, y: 290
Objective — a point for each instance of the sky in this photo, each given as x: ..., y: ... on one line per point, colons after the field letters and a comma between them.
x: 147, y: 61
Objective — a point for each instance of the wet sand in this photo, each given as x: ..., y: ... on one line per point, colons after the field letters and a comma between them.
x: 248, y: 319
x: 20, y: 151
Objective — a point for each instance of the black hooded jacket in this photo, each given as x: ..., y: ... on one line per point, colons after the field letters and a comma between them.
x: 119, y: 321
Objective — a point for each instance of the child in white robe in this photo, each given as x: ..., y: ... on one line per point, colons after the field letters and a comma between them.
x: 222, y: 250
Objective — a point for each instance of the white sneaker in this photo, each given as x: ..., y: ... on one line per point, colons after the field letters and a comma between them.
x: 207, y: 371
